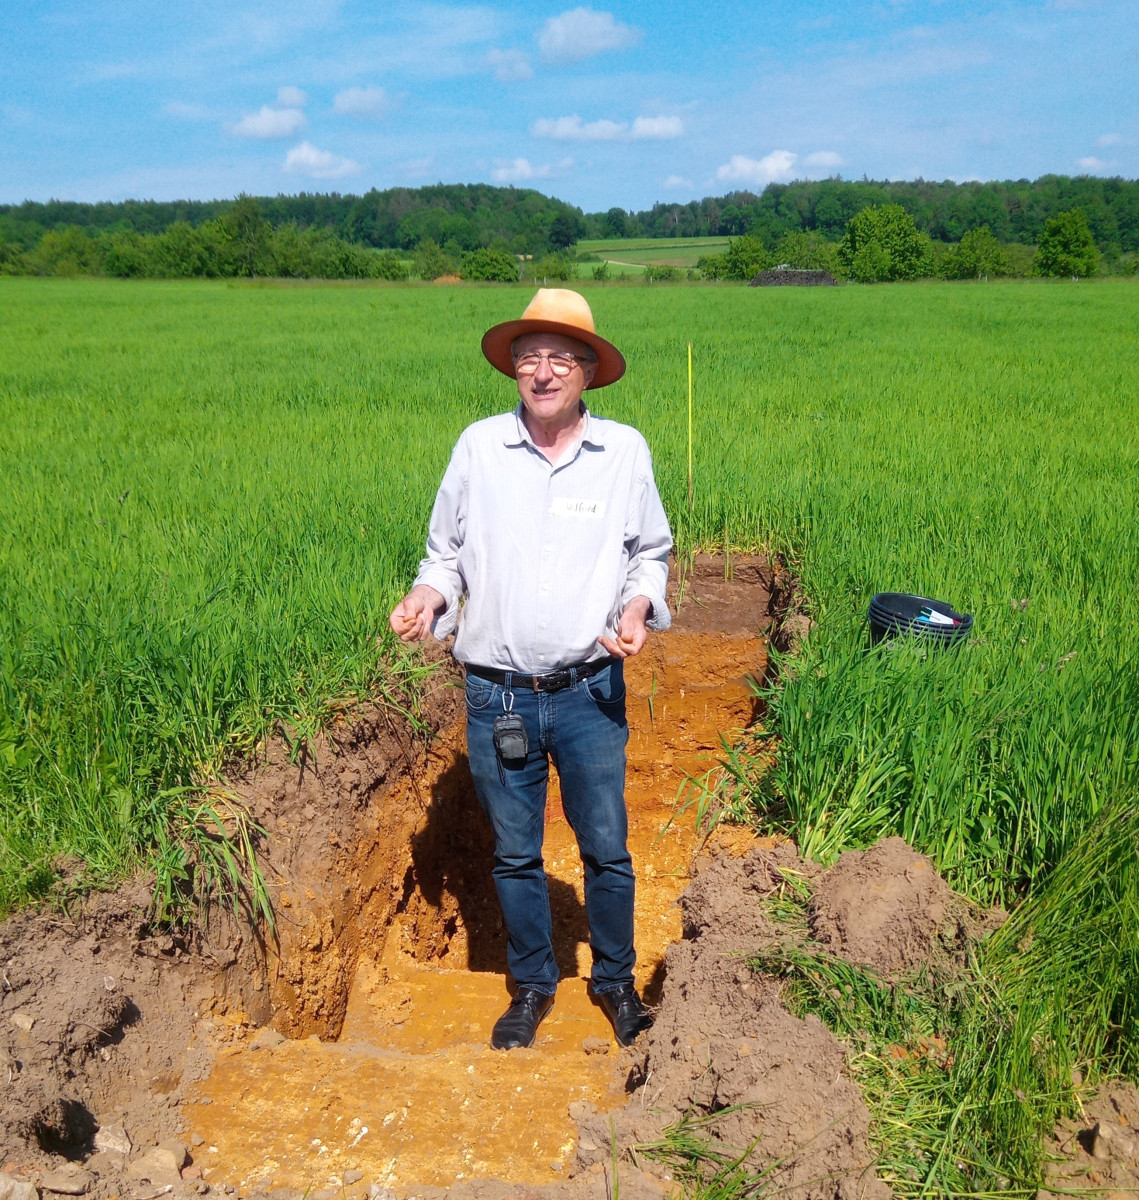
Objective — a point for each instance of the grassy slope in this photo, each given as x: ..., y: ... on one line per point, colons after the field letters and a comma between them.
x: 634, y: 254
x: 281, y: 446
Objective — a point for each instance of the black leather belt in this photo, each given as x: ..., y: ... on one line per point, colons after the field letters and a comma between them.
x: 552, y: 681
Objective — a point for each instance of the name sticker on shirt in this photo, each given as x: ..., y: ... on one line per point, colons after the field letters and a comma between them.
x: 562, y: 506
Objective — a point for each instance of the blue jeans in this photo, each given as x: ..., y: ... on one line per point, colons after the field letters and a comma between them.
x: 582, y: 731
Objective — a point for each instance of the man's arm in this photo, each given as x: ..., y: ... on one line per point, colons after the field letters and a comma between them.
x: 649, y: 540
x: 432, y: 605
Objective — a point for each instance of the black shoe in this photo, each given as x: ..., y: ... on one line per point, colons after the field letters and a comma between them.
x: 627, y: 1011
x: 518, y: 1025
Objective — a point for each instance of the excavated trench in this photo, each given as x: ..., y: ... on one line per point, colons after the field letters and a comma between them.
x: 391, y: 973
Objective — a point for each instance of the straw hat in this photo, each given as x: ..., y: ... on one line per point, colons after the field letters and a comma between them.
x: 554, y: 310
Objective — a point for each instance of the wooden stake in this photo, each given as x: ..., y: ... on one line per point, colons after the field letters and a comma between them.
x: 690, y: 425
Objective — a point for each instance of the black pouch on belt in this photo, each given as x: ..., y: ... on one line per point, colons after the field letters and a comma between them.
x: 510, y: 741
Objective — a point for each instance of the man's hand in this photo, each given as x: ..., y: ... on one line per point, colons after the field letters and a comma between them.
x: 631, y: 631
x: 414, y: 615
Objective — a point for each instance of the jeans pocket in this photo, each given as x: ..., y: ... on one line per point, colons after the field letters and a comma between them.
x: 479, y: 693
x: 607, y: 687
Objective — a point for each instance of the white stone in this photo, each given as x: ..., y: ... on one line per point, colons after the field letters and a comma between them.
x: 112, y: 1138
x: 17, y: 1189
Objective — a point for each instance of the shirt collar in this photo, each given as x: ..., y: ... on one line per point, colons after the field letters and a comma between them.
x: 591, y: 433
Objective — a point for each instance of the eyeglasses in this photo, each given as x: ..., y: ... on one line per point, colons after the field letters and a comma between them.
x: 560, y: 363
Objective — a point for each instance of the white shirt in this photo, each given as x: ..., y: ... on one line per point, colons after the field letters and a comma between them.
x: 547, y: 556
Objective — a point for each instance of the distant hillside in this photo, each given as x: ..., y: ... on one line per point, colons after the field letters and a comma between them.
x: 464, y: 217
x: 457, y: 216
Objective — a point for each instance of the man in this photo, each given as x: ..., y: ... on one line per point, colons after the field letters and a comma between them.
x: 549, y: 522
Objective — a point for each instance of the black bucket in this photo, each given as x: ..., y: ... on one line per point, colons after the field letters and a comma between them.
x: 892, y: 613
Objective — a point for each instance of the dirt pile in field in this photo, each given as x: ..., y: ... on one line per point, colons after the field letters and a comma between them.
x: 887, y: 908
x: 723, y: 1043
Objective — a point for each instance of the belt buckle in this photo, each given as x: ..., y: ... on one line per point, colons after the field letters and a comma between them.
x: 555, y: 681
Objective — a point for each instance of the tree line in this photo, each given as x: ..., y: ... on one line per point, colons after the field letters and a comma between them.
x: 882, y: 244
x: 1015, y: 212
x: 484, y: 232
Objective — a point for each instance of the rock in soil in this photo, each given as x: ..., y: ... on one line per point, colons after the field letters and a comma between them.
x: 113, y: 1139
x: 71, y: 1181
x: 266, y: 1039
x: 17, y: 1189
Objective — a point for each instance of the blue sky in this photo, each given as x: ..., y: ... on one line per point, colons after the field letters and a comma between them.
x: 606, y: 104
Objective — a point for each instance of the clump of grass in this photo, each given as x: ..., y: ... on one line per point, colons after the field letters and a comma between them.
x: 705, y: 1168
x: 206, y: 855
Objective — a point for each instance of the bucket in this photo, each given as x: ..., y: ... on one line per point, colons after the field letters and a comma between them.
x: 892, y: 613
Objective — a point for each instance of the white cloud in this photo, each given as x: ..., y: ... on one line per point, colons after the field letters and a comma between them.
x: 291, y: 97
x: 677, y: 182
x: 270, y: 123
x: 185, y: 112
x: 656, y: 129
x: 306, y: 159
x: 1109, y: 139
x: 581, y: 32
x: 574, y: 129
x: 823, y: 158
x: 509, y: 66
x: 1091, y: 163
x: 518, y: 170
x: 369, y: 102
x: 758, y: 172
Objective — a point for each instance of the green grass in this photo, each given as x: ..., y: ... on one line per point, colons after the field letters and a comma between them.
x: 214, y: 493
x: 631, y: 255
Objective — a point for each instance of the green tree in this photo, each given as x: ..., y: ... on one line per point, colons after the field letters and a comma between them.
x: 712, y: 266
x: 70, y: 251
x: 806, y: 251
x: 1067, y: 247
x: 882, y: 244
x: 745, y: 257
x: 494, y: 266
x: 249, y: 236
x: 613, y: 223
x: 429, y: 261
x: 977, y: 254
x: 388, y: 265
x: 565, y: 229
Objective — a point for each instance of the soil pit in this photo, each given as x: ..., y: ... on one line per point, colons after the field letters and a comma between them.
x: 406, y: 1091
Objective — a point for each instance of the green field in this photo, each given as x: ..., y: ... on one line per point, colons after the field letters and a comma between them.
x: 214, y: 493
x: 629, y: 256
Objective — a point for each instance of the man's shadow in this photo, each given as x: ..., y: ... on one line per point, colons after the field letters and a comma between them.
x: 452, y: 860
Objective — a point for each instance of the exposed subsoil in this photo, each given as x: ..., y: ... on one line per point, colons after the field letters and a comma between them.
x: 349, y: 1058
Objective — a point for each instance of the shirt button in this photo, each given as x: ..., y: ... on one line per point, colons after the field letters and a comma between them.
x: 543, y: 625
x: 541, y: 658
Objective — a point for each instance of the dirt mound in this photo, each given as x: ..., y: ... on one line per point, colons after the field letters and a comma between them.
x: 887, y: 908
x: 724, y: 1044
x: 788, y: 277
x: 1099, y: 1152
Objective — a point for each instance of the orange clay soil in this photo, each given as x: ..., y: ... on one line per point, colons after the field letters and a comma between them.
x: 410, y: 1094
